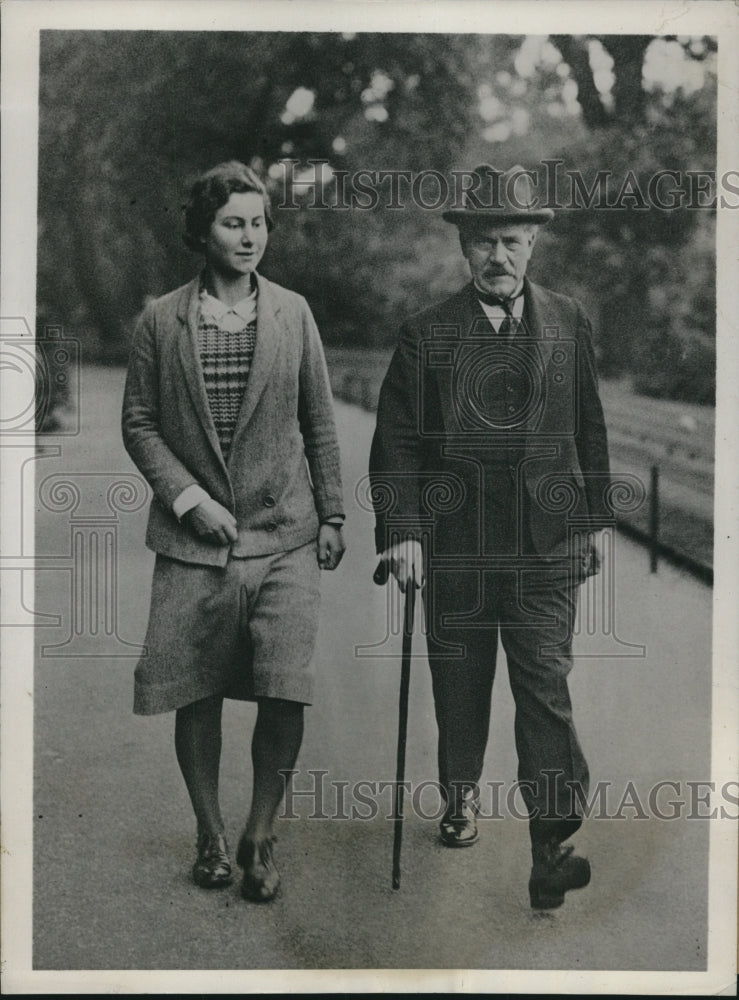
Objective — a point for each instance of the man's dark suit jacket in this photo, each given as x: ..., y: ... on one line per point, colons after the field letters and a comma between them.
x: 444, y: 437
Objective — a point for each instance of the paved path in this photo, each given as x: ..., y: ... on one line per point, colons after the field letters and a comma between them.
x: 114, y: 835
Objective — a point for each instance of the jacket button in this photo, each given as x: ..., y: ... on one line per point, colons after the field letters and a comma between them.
x: 269, y: 500
x: 270, y: 526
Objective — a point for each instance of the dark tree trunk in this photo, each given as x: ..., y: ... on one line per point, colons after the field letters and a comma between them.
x: 575, y: 53
x: 627, y: 52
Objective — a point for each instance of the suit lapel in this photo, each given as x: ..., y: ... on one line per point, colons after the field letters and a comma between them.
x: 189, y: 316
x: 270, y: 331
x: 475, y: 322
x: 547, y: 327
x: 459, y: 319
x: 543, y: 319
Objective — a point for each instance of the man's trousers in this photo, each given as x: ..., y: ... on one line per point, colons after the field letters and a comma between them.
x: 466, y: 611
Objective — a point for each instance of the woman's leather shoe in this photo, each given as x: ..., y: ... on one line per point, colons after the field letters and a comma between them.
x: 556, y: 870
x: 212, y: 869
x: 261, y: 878
x: 458, y: 828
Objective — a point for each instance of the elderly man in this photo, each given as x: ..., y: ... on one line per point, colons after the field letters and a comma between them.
x: 489, y: 467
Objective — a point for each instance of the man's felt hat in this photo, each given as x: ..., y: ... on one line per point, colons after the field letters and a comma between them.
x: 505, y: 196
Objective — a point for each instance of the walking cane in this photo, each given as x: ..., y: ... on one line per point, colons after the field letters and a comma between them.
x: 380, y: 577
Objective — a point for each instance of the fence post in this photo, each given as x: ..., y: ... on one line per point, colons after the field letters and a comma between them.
x: 654, y: 519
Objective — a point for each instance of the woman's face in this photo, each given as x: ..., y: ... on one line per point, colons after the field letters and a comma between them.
x: 238, y: 236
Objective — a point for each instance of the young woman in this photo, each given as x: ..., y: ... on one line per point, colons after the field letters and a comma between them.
x: 228, y: 414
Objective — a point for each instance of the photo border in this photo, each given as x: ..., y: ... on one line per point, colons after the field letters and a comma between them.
x: 22, y: 22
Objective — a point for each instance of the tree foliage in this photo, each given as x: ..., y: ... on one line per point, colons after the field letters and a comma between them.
x: 128, y: 119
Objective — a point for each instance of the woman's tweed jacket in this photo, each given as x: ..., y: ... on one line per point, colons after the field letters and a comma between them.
x: 282, y: 474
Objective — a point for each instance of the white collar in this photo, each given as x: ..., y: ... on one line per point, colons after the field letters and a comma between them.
x: 496, y: 314
x: 245, y: 309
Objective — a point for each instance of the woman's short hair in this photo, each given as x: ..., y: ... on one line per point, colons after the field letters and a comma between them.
x: 212, y: 190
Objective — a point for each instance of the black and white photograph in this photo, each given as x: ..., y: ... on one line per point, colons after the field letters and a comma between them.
x: 369, y: 497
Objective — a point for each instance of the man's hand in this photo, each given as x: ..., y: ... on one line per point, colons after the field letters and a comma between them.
x: 330, y: 546
x: 594, y: 552
x: 212, y: 522
x: 405, y: 561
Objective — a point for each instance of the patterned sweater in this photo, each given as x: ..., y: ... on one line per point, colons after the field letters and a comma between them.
x: 226, y: 350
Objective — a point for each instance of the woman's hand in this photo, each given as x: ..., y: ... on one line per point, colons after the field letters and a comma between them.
x: 212, y: 522
x: 330, y: 546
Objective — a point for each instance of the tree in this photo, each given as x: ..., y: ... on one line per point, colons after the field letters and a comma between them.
x: 595, y: 104
x: 128, y: 119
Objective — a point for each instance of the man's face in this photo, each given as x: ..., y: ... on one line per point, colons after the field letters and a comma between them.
x: 498, y: 255
x: 238, y: 235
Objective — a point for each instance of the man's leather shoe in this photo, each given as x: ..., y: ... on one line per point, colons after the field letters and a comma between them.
x: 458, y: 825
x: 212, y: 869
x: 261, y: 878
x: 556, y: 870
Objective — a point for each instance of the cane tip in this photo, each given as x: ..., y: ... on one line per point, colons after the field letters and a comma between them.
x: 396, y: 881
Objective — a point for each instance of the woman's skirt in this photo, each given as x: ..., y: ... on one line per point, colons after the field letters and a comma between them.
x: 246, y: 630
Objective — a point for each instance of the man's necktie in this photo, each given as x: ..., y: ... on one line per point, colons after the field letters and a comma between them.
x: 509, y: 325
